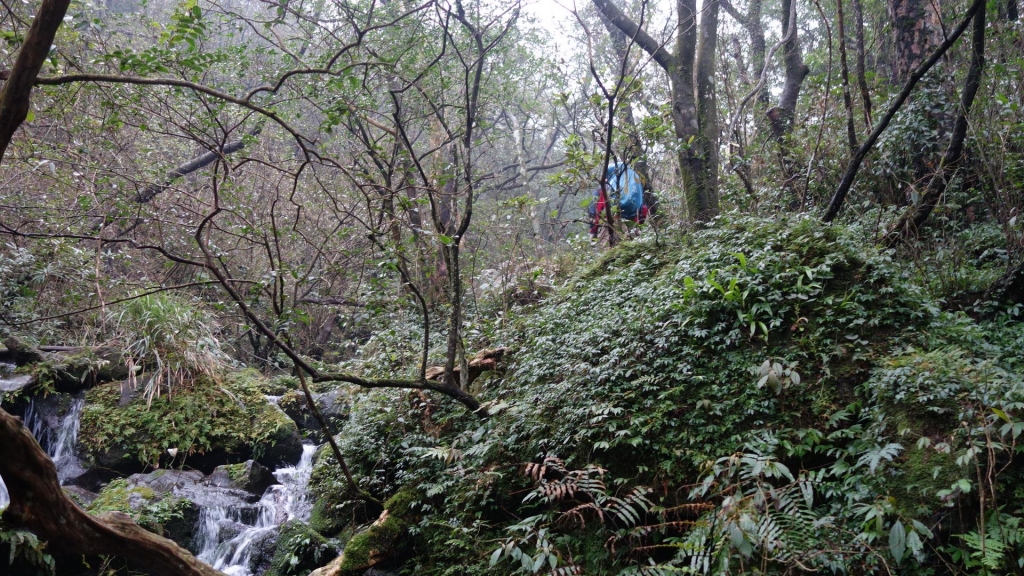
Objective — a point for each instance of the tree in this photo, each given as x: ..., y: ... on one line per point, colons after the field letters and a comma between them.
x: 854, y: 165
x: 917, y: 31
x: 690, y: 68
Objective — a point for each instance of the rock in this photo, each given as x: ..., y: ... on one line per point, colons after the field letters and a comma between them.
x: 21, y: 353
x: 165, y: 481
x: 382, y: 542
x: 283, y: 445
x: 80, y: 495
x: 10, y: 382
x: 204, y: 425
x: 250, y: 476
x: 333, y: 405
x: 191, y: 485
x: 163, y: 512
x: 280, y: 385
x: 293, y: 403
x: 264, y: 546
x: 300, y: 550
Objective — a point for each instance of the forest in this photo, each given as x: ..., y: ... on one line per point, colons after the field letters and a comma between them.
x: 466, y: 287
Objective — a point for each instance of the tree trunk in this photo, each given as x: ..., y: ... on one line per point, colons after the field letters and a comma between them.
x: 698, y: 152
x: 851, y: 129
x: 914, y: 217
x: 862, y: 82
x: 755, y: 29
x: 14, y: 97
x: 707, y: 108
x: 918, y: 31
x: 39, y: 504
x: 781, y: 116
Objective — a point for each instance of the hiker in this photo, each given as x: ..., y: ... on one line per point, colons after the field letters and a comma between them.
x: 597, y: 210
x: 635, y: 199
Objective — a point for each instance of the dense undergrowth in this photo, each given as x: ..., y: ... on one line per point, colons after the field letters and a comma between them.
x: 758, y: 397
x: 754, y: 397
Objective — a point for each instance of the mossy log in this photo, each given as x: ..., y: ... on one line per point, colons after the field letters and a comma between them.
x: 40, y: 505
x: 380, y: 542
x: 69, y: 368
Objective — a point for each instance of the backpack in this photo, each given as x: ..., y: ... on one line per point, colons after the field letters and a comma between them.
x: 625, y: 182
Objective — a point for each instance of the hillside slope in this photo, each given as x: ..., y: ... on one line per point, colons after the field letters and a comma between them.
x: 758, y: 397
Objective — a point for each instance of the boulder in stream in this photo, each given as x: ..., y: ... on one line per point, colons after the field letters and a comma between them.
x: 300, y: 550
x: 333, y: 405
x: 250, y: 476
x: 209, y: 423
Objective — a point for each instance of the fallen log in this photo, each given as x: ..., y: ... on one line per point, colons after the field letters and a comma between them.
x: 70, y: 368
x: 484, y: 360
x: 40, y: 505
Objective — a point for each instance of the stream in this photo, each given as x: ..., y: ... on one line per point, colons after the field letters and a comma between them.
x: 6, y: 370
x: 228, y: 537
x: 231, y: 535
x: 58, y: 434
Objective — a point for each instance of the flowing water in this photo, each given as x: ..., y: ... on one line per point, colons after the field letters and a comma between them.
x: 228, y: 537
x: 58, y: 436
x: 5, y: 498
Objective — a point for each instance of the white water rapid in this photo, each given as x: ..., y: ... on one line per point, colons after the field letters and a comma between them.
x: 228, y: 536
x: 59, y: 438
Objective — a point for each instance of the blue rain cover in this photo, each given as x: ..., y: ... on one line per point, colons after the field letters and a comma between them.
x: 626, y: 183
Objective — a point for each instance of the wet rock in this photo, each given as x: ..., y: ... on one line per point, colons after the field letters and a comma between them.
x: 11, y: 382
x: 264, y: 547
x: 284, y: 445
x: 333, y: 405
x: 250, y: 476
x: 80, y: 495
x: 300, y: 550
x: 191, y: 485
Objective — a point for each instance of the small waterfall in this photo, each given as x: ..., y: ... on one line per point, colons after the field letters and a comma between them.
x: 58, y: 438
x: 227, y: 537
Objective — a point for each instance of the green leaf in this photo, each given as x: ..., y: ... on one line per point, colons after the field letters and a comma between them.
x: 1002, y: 415
x: 496, y: 556
x: 446, y: 240
x: 898, y: 541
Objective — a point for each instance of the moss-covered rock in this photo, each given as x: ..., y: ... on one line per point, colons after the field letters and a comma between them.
x: 250, y: 476
x: 160, y: 513
x: 212, y: 422
x: 280, y: 385
x: 380, y: 542
x: 75, y: 369
x: 276, y: 440
x: 333, y: 405
x: 300, y: 549
x: 335, y: 509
